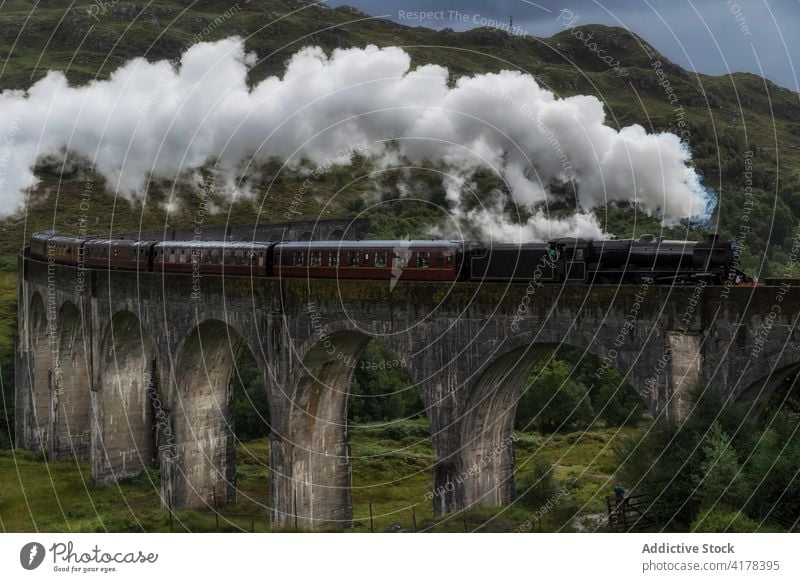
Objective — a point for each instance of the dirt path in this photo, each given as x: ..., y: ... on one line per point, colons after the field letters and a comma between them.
x: 589, y: 523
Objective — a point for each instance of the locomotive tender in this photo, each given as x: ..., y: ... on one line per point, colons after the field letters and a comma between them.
x: 648, y: 259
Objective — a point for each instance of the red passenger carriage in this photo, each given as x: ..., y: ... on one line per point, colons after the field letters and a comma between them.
x: 398, y: 259
x: 63, y: 249
x: 118, y: 254
x: 212, y: 257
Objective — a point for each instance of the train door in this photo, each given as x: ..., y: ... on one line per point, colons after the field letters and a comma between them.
x: 572, y: 261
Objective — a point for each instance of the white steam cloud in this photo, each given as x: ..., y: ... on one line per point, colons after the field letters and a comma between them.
x: 169, y: 119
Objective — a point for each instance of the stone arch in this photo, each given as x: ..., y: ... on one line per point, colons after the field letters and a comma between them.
x: 487, y: 425
x: 757, y: 385
x: 306, y: 236
x: 198, y: 450
x: 40, y: 369
x: 72, y: 410
x: 318, y: 490
x: 336, y: 234
x: 314, y: 488
x: 487, y: 464
x: 127, y: 400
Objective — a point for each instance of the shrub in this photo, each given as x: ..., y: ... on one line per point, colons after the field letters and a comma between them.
x: 553, y: 401
x: 537, y: 488
x: 723, y: 519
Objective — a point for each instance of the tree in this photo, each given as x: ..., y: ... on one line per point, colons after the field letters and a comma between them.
x: 616, y: 401
x: 250, y: 406
x: 381, y: 389
x: 773, y: 471
x: 720, y: 480
x: 552, y: 400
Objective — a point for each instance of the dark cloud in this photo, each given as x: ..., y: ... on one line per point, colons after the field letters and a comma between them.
x: 709, y: 36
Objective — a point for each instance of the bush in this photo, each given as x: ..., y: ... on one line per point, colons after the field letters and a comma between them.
x: 381, y: 389
x: 616, y: 401
x: 612, y: 399
x: 723, y: 519
x: 772, y: 471
x: 250, y: 406
x: 398, y: 430
x: 553, y: 401
x: 537, y: 488
x: 698, y: 464
x: 720, y: 478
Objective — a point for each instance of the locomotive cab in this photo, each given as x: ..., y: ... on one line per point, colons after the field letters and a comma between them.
x: 572, y: 255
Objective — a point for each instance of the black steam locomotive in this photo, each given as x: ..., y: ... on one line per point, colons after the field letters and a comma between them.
x: 648, y: 259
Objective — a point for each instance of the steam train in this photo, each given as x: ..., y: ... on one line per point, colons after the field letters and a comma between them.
x: 648, y: 259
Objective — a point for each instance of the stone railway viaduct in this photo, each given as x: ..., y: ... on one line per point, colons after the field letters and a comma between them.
x: 128, y: 370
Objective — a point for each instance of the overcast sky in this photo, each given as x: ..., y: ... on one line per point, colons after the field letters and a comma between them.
x: 709, y: 36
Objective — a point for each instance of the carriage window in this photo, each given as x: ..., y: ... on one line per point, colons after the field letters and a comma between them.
x: 182, y: 256
x: 298, y: 258
x: 439, y: 259
x: 316, y: 258
x: 242, y: 257
x: 172, y: 255
x: 400, y: 261
x: 578, y: 254
x: 380, y: 259
x: 352, y: 258
x: 422, y: 260
x: 260, y: 259
x: 333, y: 259
x: 449, y: 260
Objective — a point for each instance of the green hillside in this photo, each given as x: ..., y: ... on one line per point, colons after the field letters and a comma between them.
x: 721, y: 117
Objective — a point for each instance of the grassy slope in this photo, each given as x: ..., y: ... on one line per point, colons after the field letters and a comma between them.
x: 8, y: 310
x: 60, y: 497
